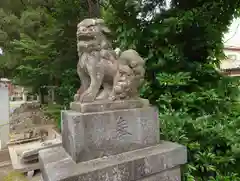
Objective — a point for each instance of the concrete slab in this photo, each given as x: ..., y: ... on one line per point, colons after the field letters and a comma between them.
x: 28, y: 149
x: 23, y: 135
x: 7, y: 169
x: 107, y: 105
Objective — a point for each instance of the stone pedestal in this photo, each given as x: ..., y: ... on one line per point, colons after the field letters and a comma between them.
x: 91, y: 135
x: 112, y: 145
x: 155, y: 163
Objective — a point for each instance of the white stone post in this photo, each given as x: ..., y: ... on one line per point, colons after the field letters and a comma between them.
x: 4, y: 116
x: 24, y: 96
x: 38, y: 98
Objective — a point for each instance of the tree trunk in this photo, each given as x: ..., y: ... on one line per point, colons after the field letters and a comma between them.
x: 41, y: 96
x: 93, y: 8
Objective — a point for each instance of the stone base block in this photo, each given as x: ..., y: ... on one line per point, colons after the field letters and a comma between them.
x: 87, y: 136
x: 107, y: 105
x: 156, y: 163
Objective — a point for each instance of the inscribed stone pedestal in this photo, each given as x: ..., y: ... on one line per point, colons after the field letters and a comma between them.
x: 92, y: 135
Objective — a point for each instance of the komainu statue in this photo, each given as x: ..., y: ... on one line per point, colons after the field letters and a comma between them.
x: 105, y: 74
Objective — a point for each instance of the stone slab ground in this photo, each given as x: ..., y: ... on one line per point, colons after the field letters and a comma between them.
x: 155, y: 163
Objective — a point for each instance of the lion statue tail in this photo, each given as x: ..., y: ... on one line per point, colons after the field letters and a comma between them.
x: 130, y: 75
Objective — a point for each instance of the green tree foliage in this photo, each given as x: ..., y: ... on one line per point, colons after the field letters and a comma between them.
x: 39, y: 42
x: 9, y: 26
x: 183, y: 47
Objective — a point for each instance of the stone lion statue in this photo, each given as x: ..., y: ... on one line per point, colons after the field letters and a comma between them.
x: 105, y: 73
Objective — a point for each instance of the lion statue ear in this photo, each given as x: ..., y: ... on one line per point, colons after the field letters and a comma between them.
x: 99, y: 21
x: 105, y: 29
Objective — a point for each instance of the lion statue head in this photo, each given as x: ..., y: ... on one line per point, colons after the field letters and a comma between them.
x: 91, y: 34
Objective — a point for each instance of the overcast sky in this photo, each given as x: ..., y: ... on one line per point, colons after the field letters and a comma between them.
x: 232, y: 38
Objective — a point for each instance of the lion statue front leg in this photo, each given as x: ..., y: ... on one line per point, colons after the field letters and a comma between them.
x: 96, y: 74
x: 85, y: 81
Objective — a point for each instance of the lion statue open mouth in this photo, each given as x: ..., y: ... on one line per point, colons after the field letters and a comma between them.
x: 104, y: 74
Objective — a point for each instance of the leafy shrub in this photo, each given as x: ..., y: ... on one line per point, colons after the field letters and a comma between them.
x: 212, y: 142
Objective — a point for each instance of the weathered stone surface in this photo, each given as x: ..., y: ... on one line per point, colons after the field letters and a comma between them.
x: 148, y: 164
x: 43, y: 145
x: 52, y: 155
x: 24, y: 157
x: 87, y: 136
x: 107, y: 105
x: 30, y: 159
x: 167, y: 175
x: 103, y: 74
